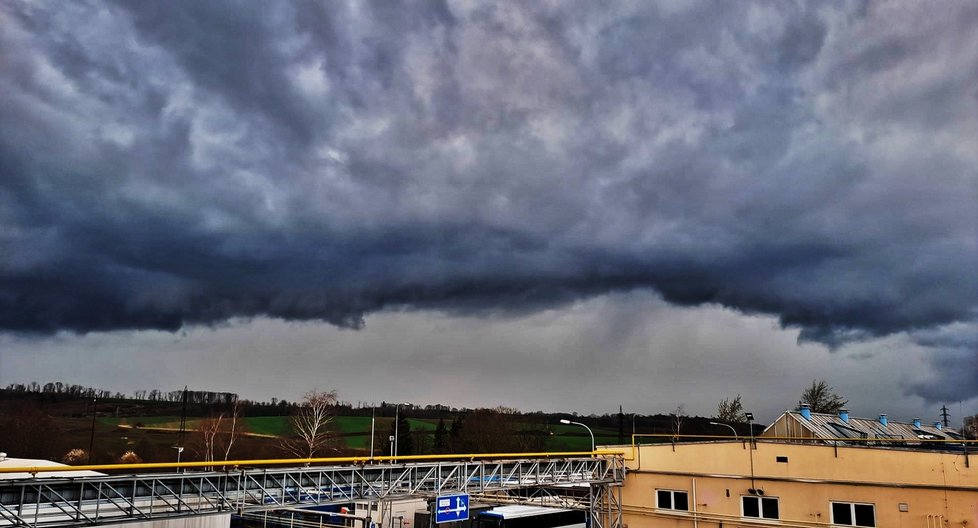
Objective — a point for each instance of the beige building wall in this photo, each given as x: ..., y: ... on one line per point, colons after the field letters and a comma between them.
x: 905, y: 488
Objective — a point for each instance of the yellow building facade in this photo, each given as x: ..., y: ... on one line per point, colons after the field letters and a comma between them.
x: 710, y: 484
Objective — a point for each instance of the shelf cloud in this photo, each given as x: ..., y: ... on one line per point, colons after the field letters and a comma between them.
x: 166, y: 165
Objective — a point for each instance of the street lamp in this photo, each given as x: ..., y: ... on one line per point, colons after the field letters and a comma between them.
x: 568, y: 422
x: 753, y: 487
x: 728, y: 426
x: 179, y: 451
x: 750, y: 420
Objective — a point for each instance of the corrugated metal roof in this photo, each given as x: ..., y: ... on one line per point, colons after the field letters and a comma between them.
x: 831, y: 426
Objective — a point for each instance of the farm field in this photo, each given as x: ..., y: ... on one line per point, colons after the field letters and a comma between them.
x: 353, y: 432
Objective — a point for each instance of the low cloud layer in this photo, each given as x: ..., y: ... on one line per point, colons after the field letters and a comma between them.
x: 166, y: 165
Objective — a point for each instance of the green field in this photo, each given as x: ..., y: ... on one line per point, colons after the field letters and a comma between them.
x: 269, y: 425
x: 354, y: 431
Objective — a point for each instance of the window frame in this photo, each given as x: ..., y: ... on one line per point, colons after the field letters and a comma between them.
x: 760, y: 507
x: 672, y: 499
x: 852, y: 513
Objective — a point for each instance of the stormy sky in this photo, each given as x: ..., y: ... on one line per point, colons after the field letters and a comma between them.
x: 563, y: 205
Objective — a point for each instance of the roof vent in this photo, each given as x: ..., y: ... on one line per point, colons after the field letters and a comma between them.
x: 806, y: 411
x: 3, y: 456
x: 844, y: 415
x: 937, y: 425
x: 916, y: 423
x: 883, y: 420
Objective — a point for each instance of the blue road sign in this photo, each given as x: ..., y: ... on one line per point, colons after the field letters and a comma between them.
x: 452, y: 508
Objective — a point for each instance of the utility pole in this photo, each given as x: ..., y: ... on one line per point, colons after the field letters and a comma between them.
x: 945, y: 416
x: 91, y: 442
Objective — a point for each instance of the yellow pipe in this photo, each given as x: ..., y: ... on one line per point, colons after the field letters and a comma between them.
x: 297, y: 461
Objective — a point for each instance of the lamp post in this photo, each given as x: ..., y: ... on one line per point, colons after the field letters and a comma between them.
x: 727, y: 426
x: 179, y: 451
x: 568, y: 422
x: 750, y: 420
x: 373, y: 419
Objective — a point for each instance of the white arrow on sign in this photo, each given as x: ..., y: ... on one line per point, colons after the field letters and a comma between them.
x: 458, y: 509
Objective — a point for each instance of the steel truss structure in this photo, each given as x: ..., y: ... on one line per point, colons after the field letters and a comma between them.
x: 44, y: 502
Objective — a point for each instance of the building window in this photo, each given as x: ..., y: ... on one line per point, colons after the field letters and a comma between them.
x: 760, y: 507
x: 853, y: 514
x: 672, y: 500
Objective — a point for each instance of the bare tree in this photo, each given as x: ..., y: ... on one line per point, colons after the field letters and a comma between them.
x: 730, y: 411
x: 310, y: 424
x: 485, y: 431
x: 218, y: 433
x: 678, y: 417
x: 233, y: 427
x: 821, y: 398
x: 209, y: 429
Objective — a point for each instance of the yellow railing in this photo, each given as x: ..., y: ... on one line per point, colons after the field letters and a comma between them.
x: 354, y: 460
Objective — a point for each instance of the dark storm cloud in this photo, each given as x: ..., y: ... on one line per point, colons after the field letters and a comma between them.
x: 955, y: 360
x: 163, y: 165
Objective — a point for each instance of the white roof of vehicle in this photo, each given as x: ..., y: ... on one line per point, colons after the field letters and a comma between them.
x: 513, y: 511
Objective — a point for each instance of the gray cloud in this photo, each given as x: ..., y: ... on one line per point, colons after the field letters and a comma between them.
x: 954, y: 361
x: 165, y: 165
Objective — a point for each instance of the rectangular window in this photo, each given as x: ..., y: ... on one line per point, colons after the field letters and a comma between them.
x: 853, y: 514
x: 672, y: 500
x: 760, y: 507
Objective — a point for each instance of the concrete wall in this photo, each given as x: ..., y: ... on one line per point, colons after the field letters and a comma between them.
x: 935, y: 489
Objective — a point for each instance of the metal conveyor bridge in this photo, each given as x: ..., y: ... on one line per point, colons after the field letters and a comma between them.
x: 94, y: 500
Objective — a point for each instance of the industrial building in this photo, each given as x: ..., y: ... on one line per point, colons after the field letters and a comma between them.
x: 802, y: 473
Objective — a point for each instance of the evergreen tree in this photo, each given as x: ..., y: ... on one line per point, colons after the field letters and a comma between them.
x: 405, y: 444
x: 441, y: 437
x: 455, y: 434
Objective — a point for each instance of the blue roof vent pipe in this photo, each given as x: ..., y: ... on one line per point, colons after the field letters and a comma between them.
x: 937, y: 425
x: 883, y: 420
x: 916, y: 423
x: 806, y: 411
x: 844, y: 415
